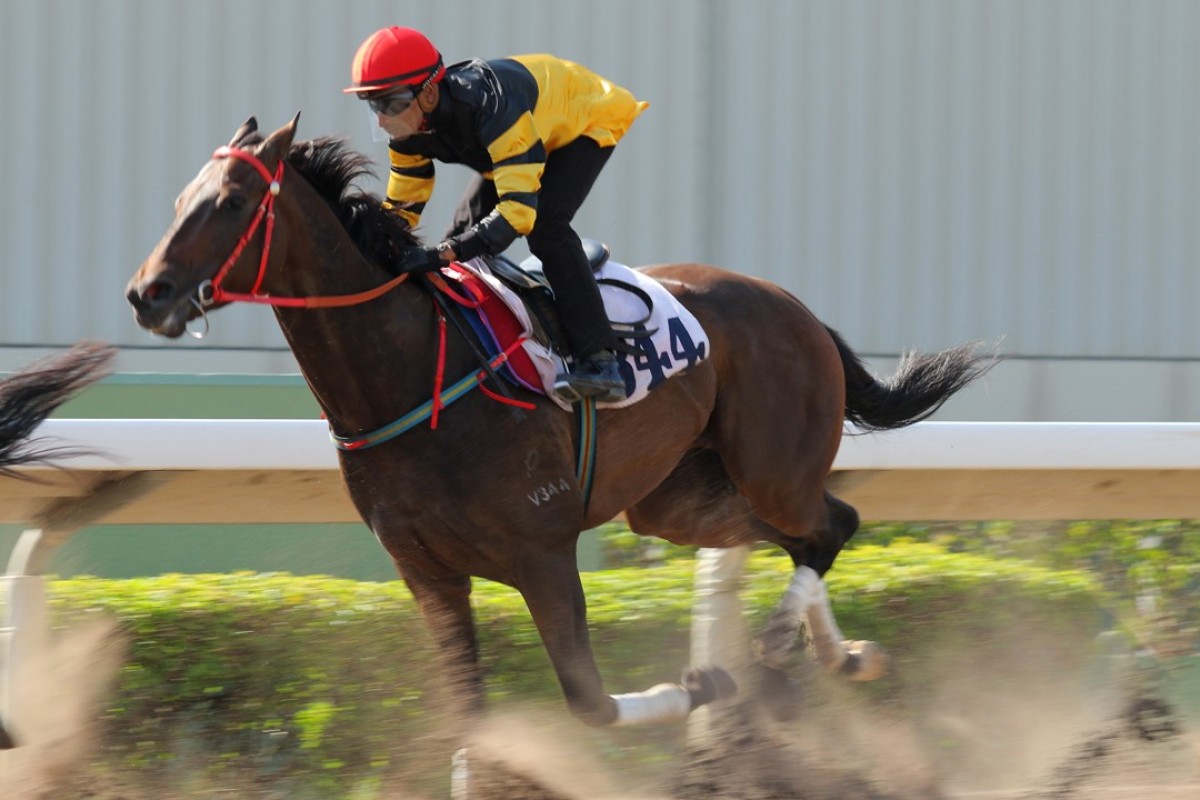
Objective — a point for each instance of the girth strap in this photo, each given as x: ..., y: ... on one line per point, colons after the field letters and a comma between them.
x: 585, y: 447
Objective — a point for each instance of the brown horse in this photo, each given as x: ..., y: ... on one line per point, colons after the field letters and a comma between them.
x: 735, y: 450
x: 30, y: 395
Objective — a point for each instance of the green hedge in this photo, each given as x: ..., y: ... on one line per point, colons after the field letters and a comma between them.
x: 1150, y: 567
x: 326, y: 688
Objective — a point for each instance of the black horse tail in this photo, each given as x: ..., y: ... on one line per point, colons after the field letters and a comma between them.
x: 921, y: 384
x: 32, y: 393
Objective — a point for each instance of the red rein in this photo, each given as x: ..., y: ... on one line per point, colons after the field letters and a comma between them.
x: 212, y: 292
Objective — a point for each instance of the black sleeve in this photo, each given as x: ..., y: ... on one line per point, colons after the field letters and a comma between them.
x: 492, y: 234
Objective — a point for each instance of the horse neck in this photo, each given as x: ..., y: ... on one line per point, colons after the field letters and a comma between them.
x: 366, y: 364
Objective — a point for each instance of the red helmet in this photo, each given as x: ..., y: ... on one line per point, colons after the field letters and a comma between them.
x: 393, y: 57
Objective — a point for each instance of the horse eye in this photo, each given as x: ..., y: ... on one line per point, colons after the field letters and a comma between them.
x: 233, y: 203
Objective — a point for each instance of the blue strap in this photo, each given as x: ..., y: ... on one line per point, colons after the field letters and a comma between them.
x: 585, y: 450
x: 408, y: 421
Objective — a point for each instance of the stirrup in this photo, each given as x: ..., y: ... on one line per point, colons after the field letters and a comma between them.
x: 564, y: 391
x: 571, y: 394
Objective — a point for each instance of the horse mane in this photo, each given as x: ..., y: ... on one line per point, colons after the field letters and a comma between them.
x: 331, y: 168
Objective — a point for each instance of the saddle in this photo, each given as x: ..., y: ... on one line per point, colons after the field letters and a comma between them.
x: 514, y: 326
x: 529, y: 282
x: 528, y: 275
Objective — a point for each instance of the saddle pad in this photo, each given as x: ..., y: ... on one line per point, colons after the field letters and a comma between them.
x: 677, y: 343
x: 497, y: 327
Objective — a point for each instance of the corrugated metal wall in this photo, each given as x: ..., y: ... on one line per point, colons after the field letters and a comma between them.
x: 919, y: 171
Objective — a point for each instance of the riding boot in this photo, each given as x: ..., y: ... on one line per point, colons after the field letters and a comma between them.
x: 595, y: 376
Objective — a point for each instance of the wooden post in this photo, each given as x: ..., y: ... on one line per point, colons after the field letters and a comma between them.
x: 24, y: 636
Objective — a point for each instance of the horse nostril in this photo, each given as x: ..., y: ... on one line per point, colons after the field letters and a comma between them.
x: 133, y: 296
x: 154, y: 293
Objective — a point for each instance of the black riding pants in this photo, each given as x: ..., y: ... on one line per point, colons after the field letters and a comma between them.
x: 568, y: 177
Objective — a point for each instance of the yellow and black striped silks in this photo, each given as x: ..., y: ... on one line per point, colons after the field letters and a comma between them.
x: 502, y: 118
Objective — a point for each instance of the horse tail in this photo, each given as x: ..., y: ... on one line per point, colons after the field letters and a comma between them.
x: 32, y: 393
x: 920, y: 385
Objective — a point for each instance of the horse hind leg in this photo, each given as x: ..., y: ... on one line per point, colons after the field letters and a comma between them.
x: 806, y: 600
x: 700, y: 504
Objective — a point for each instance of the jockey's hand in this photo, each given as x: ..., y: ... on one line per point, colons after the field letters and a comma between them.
x: 420, y: 259
x: 441, y: 255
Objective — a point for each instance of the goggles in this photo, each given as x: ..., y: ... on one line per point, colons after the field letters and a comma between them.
x: 391, y: 103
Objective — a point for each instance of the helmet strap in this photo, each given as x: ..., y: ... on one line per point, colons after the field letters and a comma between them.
x: 425, y: 114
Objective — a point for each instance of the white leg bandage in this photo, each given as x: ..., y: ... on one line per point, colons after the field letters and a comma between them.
x: 805, y: 589
x: 826, y: 636
x: 667, y: 702
x: 807, y: 599
x: 720, y: 636
x: 460, y: 776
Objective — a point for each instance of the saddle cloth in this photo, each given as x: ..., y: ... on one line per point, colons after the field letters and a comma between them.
x: 677, y: 341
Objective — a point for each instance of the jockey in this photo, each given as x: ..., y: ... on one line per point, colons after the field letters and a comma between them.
x: 537, y: 130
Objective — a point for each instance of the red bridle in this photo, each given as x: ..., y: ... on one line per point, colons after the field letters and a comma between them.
x: 211, y: 291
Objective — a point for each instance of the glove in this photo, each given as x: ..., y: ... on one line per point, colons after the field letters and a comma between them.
x: 433, y: 257
x: 419, y: 259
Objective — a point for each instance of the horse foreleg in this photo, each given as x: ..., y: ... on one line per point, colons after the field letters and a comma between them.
x: 445, y: 603
x: 553, y: 592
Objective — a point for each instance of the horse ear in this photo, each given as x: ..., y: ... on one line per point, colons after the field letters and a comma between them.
x: 280, y: 142
x: 248, y: 127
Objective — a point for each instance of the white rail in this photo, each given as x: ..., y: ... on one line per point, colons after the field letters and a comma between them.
x: 207, y: 444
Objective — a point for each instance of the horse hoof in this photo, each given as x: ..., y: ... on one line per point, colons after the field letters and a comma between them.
x: 781, y: 696
x: 865, y: 661
x: 707, y: 685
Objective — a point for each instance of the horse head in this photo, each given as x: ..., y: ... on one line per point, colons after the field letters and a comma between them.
x: 211, y: 245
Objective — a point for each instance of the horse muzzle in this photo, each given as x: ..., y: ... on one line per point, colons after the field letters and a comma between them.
x: 160, y: 305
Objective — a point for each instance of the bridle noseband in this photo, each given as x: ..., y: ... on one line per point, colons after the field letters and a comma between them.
x: 211, y: 292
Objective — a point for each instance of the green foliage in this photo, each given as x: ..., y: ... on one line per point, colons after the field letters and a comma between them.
x: 271, y: 673
x: 1150, y: 567
x: 326, y: 688
x: 621, y: 547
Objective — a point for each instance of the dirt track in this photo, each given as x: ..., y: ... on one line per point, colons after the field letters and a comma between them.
x: 1141, y: 792
x: 1022, y: 742
x: 753, y: 759
x: 1057, y: 741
